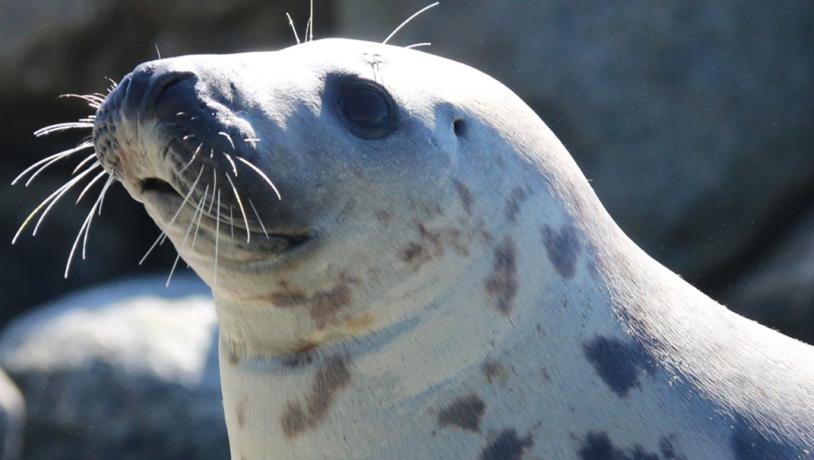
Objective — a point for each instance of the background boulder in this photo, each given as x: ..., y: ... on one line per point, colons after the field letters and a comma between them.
x: 125, y: 371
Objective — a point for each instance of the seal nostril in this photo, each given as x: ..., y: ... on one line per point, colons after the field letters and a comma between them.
x: 459, y: 127
x: 163, y: 83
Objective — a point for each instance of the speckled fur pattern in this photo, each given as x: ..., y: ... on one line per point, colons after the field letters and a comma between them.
x: 466, y: 296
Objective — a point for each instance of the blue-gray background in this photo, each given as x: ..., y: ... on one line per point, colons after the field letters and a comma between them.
x: 693, y: 120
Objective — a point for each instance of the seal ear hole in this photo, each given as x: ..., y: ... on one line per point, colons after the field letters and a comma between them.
x: 459, y: 127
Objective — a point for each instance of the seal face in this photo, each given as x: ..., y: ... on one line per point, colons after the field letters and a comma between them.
x: 396, y: 240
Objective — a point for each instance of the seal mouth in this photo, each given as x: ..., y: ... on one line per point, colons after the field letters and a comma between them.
x: 156, y: 186
x: 160, y: 191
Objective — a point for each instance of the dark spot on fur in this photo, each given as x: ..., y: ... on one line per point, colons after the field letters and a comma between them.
x: 668, y: 448
x: 464, y: 412
x: 513, y: 203
x: 493, y: 370
x: 597, y: 446
x: 240, y: 412
x: 618, y: 363
x: 750, y: 442
x: 465, y: 195
x: 323, y: 306
x: 383, y: 216
x: 507, y: 446
x: 415, y: 254
x: 331, y: 378
x: 234, y: 360
x: 303, y: 355
x: 502, y: 283
x: 562, y: 248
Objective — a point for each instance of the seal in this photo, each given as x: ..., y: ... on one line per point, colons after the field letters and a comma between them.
x: 407, y: 263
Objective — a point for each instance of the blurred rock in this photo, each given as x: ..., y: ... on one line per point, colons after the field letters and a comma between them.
x: 12, y: 418
x: 126, y: 371
x: 780, y: 291
x: 693, y: 120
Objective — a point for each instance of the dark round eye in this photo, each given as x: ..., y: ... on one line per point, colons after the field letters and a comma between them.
x: 368, y: 109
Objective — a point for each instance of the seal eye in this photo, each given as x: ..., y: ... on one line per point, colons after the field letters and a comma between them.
x: 368, y: 109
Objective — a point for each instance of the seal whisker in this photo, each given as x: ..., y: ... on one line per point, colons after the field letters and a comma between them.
x: 256, y: 214
x: 189, y: 193
x: 217, y: 239
x: 407, y: 21
x: 198, y: 210
x: 83, y: 162
x: 231, y: 162
x: 90, y: 184
x: 194, y: 155
x: 52, y: 198
x: 417, y: 45
x: 231, y: 222
x: 158, y: 242
x: 90, y: 221
x: 311, y: 21
x: 200, y: 217
x: 104, y: 192
x: 253, y: 141
x: 262, y: 175
x: 84, y: 227
x: 293, y: 28
x: 59, y: 127
x: 228, y: 138
x: 214, y: 187
x: 49, y: 160
x: 93, y: 100
x: 240, y: 206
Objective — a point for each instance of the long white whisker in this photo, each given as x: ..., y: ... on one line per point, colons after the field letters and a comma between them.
x: 262, y: 175
x: 189, y: 193
x: 307, y: 28
x: 83, y: 162
x: 256, y: 214
x: 58, y: 127
x: 217, y: 239
x: 228, y: 138
x: 198, y: 210
x: 417, y: 45
x: 240, y: 206
x: 102, y: 196
x: 158, y: 241
x: 84, y: 227
x: 90, y: 184
x: 49, y: 202
x: 90, y: 222
x: 200, y: 216
x: 231, y: 162
x: 311, y: 21
x: 407, y: 21
x: 47, y: 161
x: 214, y: 187
x: 293, y: 28
x: 231, y: 223
x: 194, y: 155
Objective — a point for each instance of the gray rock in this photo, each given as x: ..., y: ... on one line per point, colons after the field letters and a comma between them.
x: 126, y: 371
x: 12, y: 419
x: 693, y: 120
x: 779, y: 292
